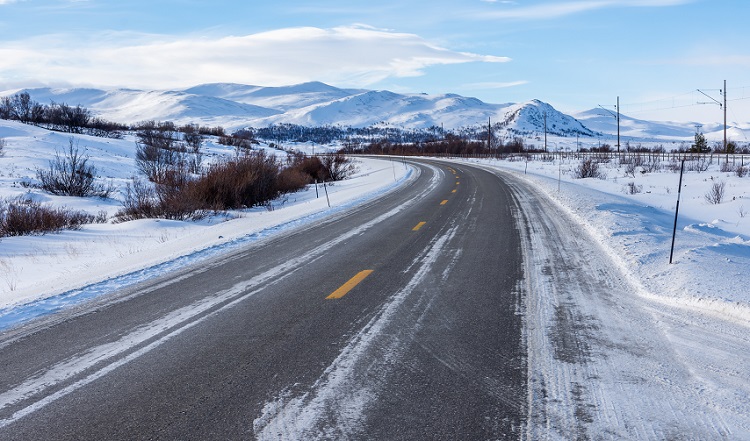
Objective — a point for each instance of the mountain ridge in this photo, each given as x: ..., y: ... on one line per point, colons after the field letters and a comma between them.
x: 236, y: 106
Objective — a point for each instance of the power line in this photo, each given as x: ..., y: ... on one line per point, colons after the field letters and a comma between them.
x: 683, y: 100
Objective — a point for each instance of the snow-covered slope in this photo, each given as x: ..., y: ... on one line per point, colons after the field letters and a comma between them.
x: 534, y: 115
x: 603, y: 121
x: 131, y: 105
x: 280, y: 98
x: 384, y: 107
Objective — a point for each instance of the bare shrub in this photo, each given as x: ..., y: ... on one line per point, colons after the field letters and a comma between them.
x: 194, y: 140
x: 588, y: 169
x: 652, y: 166
x: 169, y: 199
x: 337, y: 167
x: 248, y: 181
x: 312, y: 166
x: 176, y: 201
x: 726, y: 167
x: 698, y: 164
x: 630, y: 168
x: 244, y: 182
x: 2, y: 147
x: 70, y: 174
x: 139, y: 202
x: 632, y: 188
x: 157, y: 150
x: 674, y: 166
x: 292, y: 179
x: 22, y: 217
x: 716, y: 194
x: 740, y: 171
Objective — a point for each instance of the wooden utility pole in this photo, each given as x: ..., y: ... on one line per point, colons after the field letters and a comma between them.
x: 545, y: 132
x: 725, y: 116
x: 618, y: 124
x: 489, y: 134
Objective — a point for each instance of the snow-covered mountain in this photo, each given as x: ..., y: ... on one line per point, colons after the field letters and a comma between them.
x: 317, y: 104
x: 534, y: 116
x: 603, y: 121
x: 131, y: 105
x: 279, y: 98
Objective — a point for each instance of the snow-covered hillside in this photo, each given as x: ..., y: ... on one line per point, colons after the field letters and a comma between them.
x: 280, y: 98
x: 534, y: 116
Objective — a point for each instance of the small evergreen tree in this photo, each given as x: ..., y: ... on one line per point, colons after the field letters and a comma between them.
x: 700, y: 145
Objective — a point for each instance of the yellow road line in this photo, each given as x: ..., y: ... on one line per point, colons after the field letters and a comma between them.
x: 444, y: 202
x: 348, y: 286
x: 457, y: 183
x: 419, y: 225
x: 454, y: 191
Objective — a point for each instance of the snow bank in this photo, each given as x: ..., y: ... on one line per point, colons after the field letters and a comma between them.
x: 710, y: 270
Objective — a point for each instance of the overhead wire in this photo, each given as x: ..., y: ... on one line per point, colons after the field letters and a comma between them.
x: 680, y: 101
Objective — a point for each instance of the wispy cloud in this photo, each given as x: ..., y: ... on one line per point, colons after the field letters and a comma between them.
x: 493, y: 85
x: 351, y: 56
x: 561, y: 9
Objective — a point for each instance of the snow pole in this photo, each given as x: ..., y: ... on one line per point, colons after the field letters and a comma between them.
x: 677, y: 210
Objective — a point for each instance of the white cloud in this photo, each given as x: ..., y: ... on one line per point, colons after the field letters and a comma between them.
x: 494, y: 85
x: 353, y: 56
x: 561, y: 9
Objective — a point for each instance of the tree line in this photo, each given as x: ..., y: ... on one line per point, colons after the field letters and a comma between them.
x: 60, y: 117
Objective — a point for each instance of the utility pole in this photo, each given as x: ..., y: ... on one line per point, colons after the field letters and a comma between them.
x: 723, y: 106
x: 489, y: 135
x: 545, y: 132
x: 725, y: 117
x: 618, y: 124
x: 617, y: 117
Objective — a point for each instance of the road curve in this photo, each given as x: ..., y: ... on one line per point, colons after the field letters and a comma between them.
x: 401, y: 319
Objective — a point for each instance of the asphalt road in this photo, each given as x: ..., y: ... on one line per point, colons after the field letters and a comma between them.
x: 401, y: 319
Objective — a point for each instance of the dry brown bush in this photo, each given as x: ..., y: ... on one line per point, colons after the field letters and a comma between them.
x: 22, y: 217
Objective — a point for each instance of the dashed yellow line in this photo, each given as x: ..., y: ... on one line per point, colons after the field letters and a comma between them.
x: 444, y: 202
x: 348, y: 286
x: 419, y: 225
x: 454, y: 191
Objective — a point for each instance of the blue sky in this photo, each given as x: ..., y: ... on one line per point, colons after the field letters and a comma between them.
x: 574, y: 54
